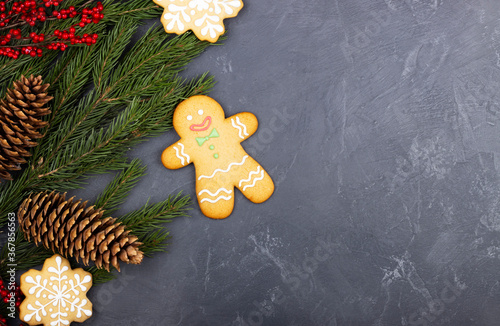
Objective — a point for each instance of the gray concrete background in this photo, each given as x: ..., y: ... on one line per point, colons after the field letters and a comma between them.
x: 380, y: 125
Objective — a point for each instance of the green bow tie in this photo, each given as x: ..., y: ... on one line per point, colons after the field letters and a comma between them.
x: 202, y: 140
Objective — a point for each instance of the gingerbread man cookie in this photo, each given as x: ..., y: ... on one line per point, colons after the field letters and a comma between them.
x: 203, y: 17
x: 212, y: 143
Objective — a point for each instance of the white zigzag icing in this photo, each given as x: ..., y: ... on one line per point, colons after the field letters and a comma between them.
x: 243, y: 125
x: 183, y: 153
x: 250, y: 176
x: 213, y: 195
x: 255, y: 181
x: 223, y: 171
x: 178, y: 156
x: 239, y: 129
x: 216, y: 200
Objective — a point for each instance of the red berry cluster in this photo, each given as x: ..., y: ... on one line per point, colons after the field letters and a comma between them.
x: 6, y: 294
x: 32, y: 51
x: 65, y: 13
x: 4, y: 20
x: 9, y: 52
x: 29, y: 12
x: 49, y: 3
x: 88, y: 39
x: 92, y: 15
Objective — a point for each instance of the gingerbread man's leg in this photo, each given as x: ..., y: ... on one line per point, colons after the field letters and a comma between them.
x: 254, y: 182
x: 215, y: 197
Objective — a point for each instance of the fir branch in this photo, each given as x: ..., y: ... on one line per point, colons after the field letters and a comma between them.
x: 116, y: 192
x: 71, y: 75
x: 78, y: 179
x: 136, y: 9
x: 150, y: 218
x: 112, y: 49
x: 72, y: 147
x: 155, y: 242
x: 99, y: 113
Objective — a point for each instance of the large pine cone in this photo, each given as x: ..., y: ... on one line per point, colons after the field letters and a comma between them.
x: 74, y: 230
x: 20, y: 114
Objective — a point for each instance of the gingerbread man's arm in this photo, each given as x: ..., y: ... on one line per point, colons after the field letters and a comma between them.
x: 244, y: 124
x: 175, y: 156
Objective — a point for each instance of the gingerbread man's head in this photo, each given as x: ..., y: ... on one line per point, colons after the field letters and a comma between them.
x: 197, y: 115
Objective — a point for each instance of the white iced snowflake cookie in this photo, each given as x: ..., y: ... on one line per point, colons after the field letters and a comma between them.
x: 203, y: 17
x: 56, y: 295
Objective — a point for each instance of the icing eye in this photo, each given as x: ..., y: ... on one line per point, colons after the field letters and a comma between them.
x: 200, y: 112
x: 189, y: 117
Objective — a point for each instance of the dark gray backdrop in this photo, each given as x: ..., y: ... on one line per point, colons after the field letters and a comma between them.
x: 380, y: 125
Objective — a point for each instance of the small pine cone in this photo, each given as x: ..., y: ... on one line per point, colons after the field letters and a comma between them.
x: 74, y: 230
x: 20, y: 114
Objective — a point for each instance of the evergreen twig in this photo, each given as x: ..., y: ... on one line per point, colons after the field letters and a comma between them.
x: 126, y: 112
x: 105, y: 100
x: 116, y: 192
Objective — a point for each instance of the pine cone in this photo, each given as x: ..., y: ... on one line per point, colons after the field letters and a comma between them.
x: 20, y: 114
x: 74, y: 230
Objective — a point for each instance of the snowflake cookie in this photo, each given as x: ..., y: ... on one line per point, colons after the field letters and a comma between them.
x: 203, y: 17
x: 56, y: 295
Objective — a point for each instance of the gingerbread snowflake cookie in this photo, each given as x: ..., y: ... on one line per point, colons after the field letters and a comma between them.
x: 203, y: 17
x: 56, y: 295
x: 212, y: 143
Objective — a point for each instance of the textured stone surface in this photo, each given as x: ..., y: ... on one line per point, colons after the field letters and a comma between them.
x: 380, y: 124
